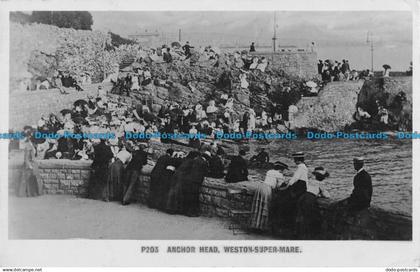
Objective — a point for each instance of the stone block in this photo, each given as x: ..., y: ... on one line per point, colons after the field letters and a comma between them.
x: 77, y: 182
x: 69, y: 176
x: 44, y: 175
x: 84, y: 174
x: 65, y: 183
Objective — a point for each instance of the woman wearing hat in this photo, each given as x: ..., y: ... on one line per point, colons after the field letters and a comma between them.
x: 262, y: 197
x: 283, y: 211
x: 29, y: 185
x: 308, y: 223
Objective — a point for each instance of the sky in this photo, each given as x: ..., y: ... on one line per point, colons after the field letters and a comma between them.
x: 337, y: 34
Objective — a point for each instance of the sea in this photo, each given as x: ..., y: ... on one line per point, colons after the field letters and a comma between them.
x: 389, y: 162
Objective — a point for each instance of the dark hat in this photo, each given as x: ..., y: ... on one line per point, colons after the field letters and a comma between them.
x: 281, y: 165
x: 298, y: 155
x: 321, y: 172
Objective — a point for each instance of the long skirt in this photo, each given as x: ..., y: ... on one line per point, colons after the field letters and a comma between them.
x: 129, y: 184
x: 159, y: 189
x: 261, y: 207
x: 175, y: 201
x: 308, y: 217
x: 192, y: 199
x: 28, y: 185
x: 98, y: 182
x: 113, y: 188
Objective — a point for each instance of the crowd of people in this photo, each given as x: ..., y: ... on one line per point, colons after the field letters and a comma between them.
x: 337, y: 71
x: 279, y: 204
x: 177, y: 177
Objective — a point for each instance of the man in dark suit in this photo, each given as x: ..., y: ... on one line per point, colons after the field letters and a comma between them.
x: 238, y: 169
x: 362, y: 192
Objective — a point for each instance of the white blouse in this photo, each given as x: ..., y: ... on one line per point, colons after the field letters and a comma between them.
x: 274, y: 177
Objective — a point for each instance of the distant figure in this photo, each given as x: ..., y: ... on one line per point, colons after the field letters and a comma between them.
x: 362, y: 192
x: 238, y: 169
x: 320, y: 67
x: 387, y: 69
x: 261, y: 157
x: 252, y: 47
x: 313, y: 49
x: 187, y: 49
x: 167, y: 57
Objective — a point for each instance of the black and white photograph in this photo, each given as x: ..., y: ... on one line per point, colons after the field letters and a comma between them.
x: 208, y: 125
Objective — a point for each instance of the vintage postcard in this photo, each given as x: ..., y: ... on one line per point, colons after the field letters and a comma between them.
x: 209, y: 134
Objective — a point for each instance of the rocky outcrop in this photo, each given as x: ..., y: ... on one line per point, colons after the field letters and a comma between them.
x: 393, y: 93
x: 331, y: 110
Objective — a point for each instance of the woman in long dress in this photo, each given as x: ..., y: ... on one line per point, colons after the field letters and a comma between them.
x: 176, y: 194
x: 28, y: 185
x: 262, y: 197
x: 308, y: 217
x: 160, y: 180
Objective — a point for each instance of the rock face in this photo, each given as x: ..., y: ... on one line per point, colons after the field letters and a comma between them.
x: 331, y: 110
x: 389, y: 92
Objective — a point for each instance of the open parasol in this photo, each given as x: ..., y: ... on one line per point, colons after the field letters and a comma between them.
x: 386, y: 66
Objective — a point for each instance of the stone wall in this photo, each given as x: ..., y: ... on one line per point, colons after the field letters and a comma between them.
x: 224, y: 200
x: 299, y: 63
x: 26, y: 108
x: 332, y: 109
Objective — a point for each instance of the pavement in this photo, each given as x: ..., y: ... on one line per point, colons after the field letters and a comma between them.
x: 71, y: 217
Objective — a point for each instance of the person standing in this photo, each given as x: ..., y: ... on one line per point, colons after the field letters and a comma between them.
x: 133, y: 172
x: 160, y: 179
x: 167, y: 57
x: 320, y: 67
x: 308, y: 217
x: 28, y: 185
x: 187, y: 50
x: 176, y: 197
x: 252, y: 47
x: 116, y: 175
x: 283, y: 211
x: 192, y: 185
x: 99, y: 180
x: 262, y: 197
x: 238, y: 169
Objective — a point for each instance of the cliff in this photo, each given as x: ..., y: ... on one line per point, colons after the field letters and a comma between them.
x: 393, y: 93
x: 331, y: 110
